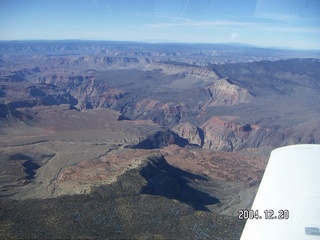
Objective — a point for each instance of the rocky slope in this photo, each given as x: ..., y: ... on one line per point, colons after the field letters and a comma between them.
x: 124, y: 208
x: 153, y: 176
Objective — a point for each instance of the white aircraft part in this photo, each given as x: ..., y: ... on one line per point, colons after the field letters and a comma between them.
x: 291, y: 182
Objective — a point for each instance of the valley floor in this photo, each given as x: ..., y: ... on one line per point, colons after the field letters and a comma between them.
x: 66, y: 158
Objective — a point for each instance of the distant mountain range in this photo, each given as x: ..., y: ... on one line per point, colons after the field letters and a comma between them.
x: 201, y: 50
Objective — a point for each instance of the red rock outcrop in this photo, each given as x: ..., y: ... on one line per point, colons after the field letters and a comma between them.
x: 220, y: 133
x: 244, y: 167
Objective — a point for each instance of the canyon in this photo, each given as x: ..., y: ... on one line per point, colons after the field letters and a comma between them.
x: 166, y: 134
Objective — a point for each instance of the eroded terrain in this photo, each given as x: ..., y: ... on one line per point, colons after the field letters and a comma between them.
x: 144, y: 141
x: 69, y: 157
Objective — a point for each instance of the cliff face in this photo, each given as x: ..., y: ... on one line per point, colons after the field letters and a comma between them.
x: 224, y: 93
x: 88, y: 92
x: 223, y: 134
x: 190, y: 132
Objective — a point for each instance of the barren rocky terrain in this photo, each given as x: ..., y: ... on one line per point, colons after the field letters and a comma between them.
x: 132, y: 140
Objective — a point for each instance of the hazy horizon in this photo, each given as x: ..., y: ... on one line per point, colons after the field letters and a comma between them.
x: 262, y: 23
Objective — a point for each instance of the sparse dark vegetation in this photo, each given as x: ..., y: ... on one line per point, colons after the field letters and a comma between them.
x: 154, y: 202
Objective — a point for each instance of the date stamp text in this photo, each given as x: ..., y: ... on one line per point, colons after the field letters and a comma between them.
x: 269, y: 214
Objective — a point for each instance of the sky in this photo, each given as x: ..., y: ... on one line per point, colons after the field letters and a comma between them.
x: 267, y: 23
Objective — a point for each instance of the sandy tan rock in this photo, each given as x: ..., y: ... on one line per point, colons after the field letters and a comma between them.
x: 225, y: 94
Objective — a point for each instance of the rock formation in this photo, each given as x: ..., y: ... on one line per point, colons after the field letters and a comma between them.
x: 162, y: 139
x: 88, y: 92
x: 224, y: 93
x: 190, y: 132
x: 223, y: 134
